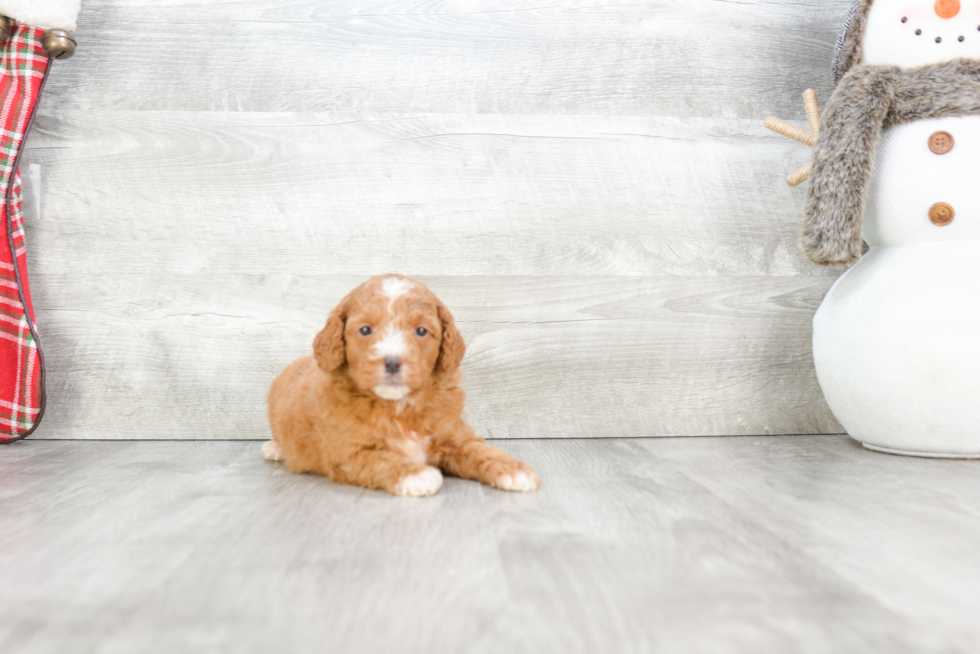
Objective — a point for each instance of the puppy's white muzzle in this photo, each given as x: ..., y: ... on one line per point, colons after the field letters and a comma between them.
x: 391, y: 390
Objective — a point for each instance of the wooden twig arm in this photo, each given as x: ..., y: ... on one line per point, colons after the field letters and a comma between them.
x: 797, y: 134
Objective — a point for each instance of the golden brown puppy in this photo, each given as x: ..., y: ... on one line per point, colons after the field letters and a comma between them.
x: 379, y: 403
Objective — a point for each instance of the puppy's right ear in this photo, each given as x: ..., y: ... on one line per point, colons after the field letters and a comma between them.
x: 453, y: 348
x: 329, y: 347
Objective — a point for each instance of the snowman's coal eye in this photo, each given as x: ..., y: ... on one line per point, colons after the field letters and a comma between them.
x: 939, y: 39
x: 962, y: 38
x: 919, y: 32
x: 905, y: 19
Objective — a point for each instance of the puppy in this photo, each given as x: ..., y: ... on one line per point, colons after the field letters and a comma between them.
x: 379, y: 403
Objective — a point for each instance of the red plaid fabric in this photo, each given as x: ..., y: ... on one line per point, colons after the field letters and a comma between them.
x: 23, y: 66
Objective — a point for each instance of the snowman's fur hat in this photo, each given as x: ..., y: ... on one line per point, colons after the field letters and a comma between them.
x: 868, y: 99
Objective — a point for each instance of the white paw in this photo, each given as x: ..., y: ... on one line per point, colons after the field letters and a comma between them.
x: 427, y: 482
x: 271, y: 451
x: 522, y: 482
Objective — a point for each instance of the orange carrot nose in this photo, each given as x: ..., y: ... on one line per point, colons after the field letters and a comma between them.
x: 947, y: 8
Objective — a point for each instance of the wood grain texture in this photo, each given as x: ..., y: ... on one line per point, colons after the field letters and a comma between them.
x: 708, y: 58
x: 588, y: 185
x: 471, y: 195
x: 736, y: 545
x: 548, y: 357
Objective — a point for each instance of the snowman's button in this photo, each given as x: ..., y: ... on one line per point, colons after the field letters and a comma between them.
x: 941, y: 214
x: 941, y: 142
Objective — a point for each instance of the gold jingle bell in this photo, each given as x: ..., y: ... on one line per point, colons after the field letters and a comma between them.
x: 58, y: 44
x: 6, y: 28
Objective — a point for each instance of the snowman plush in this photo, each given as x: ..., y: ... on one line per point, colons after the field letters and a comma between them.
x: 896, y: 163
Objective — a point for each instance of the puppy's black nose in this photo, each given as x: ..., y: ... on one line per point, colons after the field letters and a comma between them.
x: 392, y: 365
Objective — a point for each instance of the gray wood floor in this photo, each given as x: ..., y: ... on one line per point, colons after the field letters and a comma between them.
x: 756, y: 545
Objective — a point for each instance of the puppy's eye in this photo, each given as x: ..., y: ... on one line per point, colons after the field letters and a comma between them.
x: 365, y: 331
x: 421, y: 331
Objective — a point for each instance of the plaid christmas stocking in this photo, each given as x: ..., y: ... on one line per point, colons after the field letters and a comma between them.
x: 23, y: 70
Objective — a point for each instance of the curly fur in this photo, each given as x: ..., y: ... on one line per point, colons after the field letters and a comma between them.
x: 867, y: 100
x: 327, y: 416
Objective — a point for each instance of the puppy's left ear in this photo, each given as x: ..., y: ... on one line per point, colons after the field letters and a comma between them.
x: 329, y: 346
x: 453, y: 348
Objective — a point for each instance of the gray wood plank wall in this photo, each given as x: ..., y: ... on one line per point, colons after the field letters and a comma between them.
x: 587, y: 184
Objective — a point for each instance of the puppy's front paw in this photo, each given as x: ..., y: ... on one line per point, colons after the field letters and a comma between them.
x: 521, y: 478
x: 421, y: 484
x: 271, y: 451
